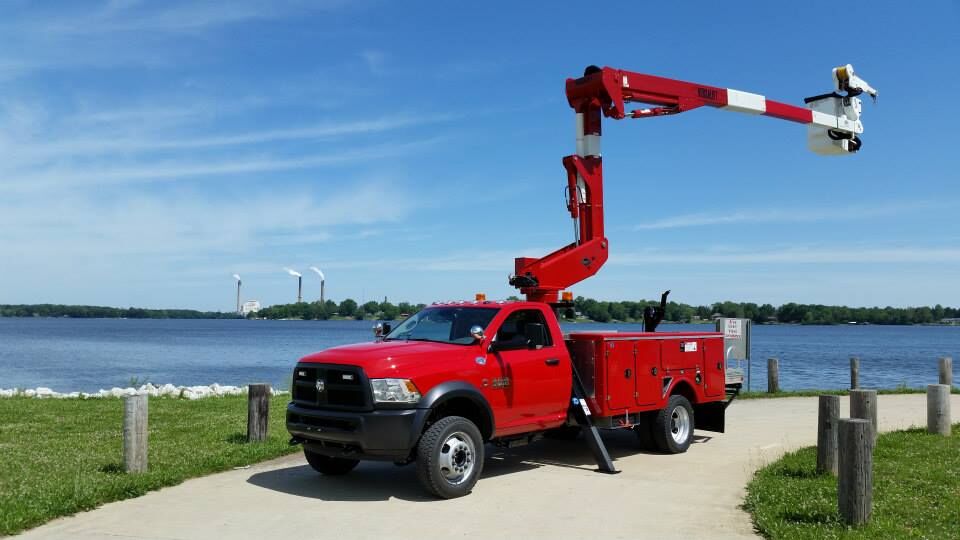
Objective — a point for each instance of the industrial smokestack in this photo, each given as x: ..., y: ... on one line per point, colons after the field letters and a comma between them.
x: 323, y: 282
x: 237, y: 277
x: 299, y: 277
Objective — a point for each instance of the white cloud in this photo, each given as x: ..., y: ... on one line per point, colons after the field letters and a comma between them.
x: 72, y: 177
x: 485, y: 260
x: 791, y: 215
x: 88, y: 146
x: 188, y: 225
x: 127, y: 33
x: 172, y: 16
x: 468, y: 260
x: 800, y: 255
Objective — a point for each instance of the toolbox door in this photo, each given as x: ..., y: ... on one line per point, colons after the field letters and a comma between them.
x: 714, y: 367
x: 649, y: 371
x: 621, y: 374
x: 681, y: 353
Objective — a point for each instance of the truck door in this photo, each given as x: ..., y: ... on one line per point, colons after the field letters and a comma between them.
x: 534, y: 379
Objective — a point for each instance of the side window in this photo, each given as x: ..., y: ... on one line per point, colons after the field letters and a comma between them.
x: 522, y: 329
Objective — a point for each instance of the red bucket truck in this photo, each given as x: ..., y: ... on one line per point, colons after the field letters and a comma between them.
x: 459, y: 375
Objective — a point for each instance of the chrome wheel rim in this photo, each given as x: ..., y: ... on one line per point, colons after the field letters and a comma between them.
x: 457, y: 458
x: 679, y: 424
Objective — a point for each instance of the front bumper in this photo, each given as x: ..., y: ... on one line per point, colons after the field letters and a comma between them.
x: 382, y: 434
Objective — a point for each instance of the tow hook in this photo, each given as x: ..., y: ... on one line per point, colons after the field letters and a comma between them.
x: 295, y: 441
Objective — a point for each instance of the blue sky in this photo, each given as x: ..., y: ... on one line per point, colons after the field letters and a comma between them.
x: 149, y: 150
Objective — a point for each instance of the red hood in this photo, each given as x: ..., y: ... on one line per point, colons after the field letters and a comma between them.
x: 402, y: 359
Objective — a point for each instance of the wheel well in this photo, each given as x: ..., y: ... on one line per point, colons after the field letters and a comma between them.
x: 467, y: 408
x: 684, y: 389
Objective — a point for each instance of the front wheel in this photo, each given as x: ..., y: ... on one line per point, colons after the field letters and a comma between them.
x: 673, y: 426
x: 330, y: 466
x: 450, y: 457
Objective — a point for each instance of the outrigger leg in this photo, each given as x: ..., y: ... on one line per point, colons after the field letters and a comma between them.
x: 581, y: 412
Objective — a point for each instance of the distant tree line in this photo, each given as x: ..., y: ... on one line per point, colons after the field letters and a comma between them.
x: 792, y: 313
x: 347, y: 309
x: 588, y: 308
x: 102, y: 312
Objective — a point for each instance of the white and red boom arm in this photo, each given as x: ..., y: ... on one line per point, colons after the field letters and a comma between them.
x: 834, y: 121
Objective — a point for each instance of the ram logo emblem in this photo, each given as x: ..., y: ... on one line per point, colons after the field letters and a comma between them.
x: 321, y: 385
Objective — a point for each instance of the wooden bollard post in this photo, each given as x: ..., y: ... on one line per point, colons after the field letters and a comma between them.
x: 827, y: 420
x: 863, y: 404
x: 938, y: 409
x: 258, y: 411
x: 946, y: 371
x: 855, y: 478
x: 854, y: 373
x: 135, y: 433
x: 773, y: 375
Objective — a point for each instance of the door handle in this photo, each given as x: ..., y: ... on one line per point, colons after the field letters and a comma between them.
x: 552, y: 361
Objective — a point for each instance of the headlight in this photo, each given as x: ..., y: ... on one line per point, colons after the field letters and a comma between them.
x: 394, y: 391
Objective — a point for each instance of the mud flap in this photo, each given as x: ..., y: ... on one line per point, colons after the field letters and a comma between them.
x: 710, y: 416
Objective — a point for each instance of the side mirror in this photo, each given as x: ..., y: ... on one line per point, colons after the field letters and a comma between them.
x: 380, y: 330
x: 476, y: 332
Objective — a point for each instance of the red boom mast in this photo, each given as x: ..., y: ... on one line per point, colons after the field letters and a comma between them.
x: 834, y: 121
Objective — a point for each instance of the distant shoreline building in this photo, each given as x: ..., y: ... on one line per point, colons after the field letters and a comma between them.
x: 250, y: 306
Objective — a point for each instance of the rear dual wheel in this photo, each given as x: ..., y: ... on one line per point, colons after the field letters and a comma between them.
x: 672, y: 427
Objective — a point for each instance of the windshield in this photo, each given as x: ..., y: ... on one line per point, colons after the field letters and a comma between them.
x: 443, y: 324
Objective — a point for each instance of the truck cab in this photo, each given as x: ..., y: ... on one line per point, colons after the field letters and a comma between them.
x: 457, y: 375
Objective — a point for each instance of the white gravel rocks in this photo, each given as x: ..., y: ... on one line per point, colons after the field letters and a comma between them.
x: 166, y: 390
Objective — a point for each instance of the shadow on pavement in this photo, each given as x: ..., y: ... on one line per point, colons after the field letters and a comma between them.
x: 575, y: 454
x: 370, y: 481
x: 377, y: 481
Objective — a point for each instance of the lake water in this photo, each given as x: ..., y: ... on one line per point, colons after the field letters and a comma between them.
x: 88, y: 354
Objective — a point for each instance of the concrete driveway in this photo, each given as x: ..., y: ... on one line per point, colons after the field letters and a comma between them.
x: 545, y: 490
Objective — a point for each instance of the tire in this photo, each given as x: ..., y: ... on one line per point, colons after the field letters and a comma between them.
x: 450, y: 457
x: 330, y: 466
x: 673, y: 426
x: 564, y: 433
x: 644, y: 432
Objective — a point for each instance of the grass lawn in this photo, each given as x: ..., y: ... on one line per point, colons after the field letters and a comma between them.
x: 916, y: 492
x: 61, y: 456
